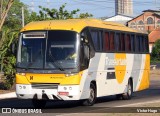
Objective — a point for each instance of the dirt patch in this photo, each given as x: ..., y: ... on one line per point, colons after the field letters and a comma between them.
x: 156, y: 71
x: 6, y: 91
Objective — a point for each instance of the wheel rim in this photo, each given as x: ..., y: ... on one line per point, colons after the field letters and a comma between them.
x: 129, y: 90
x: 92, y: 95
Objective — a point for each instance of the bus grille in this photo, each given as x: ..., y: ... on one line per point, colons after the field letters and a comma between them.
x: 45, y: 86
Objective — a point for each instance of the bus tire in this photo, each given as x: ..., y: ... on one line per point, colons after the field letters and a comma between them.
x: 39, y: 103
x: 92, y: 98
x: 119, y: 97
x: 128, y: 94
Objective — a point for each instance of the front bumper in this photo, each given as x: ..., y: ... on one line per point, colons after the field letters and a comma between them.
x: 26, y: 91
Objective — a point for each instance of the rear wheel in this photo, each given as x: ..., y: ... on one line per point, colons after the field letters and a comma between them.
x: 128, y: 94
x: 39, y: 103
x: 92, y: 98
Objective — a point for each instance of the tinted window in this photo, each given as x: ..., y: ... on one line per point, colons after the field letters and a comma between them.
x: 128, y: 43
x: 133, y: 43
x: 118, y: 43
x: 141, y: 43
x: 122, y: 40
x: 107, y: 44
x: 100, y: 38
x: 137, y: 43
x: 97, y: 38
x: 146, y: 45
x: 112, y: 43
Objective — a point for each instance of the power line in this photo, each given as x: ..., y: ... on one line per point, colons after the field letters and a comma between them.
x: 93, y: 5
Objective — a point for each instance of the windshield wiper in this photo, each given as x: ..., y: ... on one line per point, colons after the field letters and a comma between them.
x: 56, y: 64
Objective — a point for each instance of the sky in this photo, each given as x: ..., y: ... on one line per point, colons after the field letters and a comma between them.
x: 99, y: 8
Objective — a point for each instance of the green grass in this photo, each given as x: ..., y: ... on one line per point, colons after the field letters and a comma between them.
x: 155, y: 61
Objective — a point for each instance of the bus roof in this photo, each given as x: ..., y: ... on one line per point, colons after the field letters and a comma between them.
x: 75, y: 25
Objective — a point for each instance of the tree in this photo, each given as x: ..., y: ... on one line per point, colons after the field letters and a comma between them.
x: 8, y: 60
x: 57, y: 14
x: 5, y: 12
x: 9, y: 33
x: 14, y: 18
x: 155, y: 55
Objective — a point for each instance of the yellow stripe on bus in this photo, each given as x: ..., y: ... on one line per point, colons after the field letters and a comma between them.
x: 120, y: 69
x: 145, y: 77
x: 49, y: 78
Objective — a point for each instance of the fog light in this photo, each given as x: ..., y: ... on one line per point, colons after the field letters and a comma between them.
x: 20, y: 87
x: 24, y: 87
x: 65, y: 88
x: 70, y: 88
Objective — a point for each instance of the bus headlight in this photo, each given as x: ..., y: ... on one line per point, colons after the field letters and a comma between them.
x: 23, y: 74
x: 72, y: 74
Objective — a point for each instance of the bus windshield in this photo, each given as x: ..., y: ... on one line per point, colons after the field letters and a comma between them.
x: 48, y: 50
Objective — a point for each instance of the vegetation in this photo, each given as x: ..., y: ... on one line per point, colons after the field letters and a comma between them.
x: 57, y: 14
x: 8, y: 34
x: 155, y: 55
x: 13, y: 24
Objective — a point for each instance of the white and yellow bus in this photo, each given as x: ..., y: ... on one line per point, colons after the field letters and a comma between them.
x: 80, y: 59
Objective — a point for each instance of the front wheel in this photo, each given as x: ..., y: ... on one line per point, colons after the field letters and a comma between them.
x: 92, y: 98
x: 128, y: 94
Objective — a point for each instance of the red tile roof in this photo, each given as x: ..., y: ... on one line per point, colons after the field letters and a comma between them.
x: 154, y: 35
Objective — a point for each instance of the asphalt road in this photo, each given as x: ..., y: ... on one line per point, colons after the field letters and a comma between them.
x: 103, y: 105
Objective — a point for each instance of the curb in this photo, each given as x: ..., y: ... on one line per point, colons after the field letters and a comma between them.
x: 8, y: 95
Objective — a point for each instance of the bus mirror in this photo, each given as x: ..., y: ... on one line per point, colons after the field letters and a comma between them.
x: 13, y: 48
x: 82, y: 38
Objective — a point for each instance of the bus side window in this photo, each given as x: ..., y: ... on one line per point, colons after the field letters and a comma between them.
x: 107, y: 45
x: 137, y: 44
x: 146, y: 45
x: 97, y: 38
x: 100, y: 38
x: 141, y: 43
x: 128, y: 43
x: 112, y: 43
x: 133, y: 43
x: 90, y: 42
x: 94, y: 34
x: 118, y: 42
x: 122, y: 40
x: 87, y: 49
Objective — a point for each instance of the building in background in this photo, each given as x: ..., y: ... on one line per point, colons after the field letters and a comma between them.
x: 153, y: 37
x: 124, y: 7
x: 123, y: 19
x: 123, y: 12
x: 148, y: 21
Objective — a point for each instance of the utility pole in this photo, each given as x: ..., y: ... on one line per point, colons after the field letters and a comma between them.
x: 22, y: 16
x: 5, y: 12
